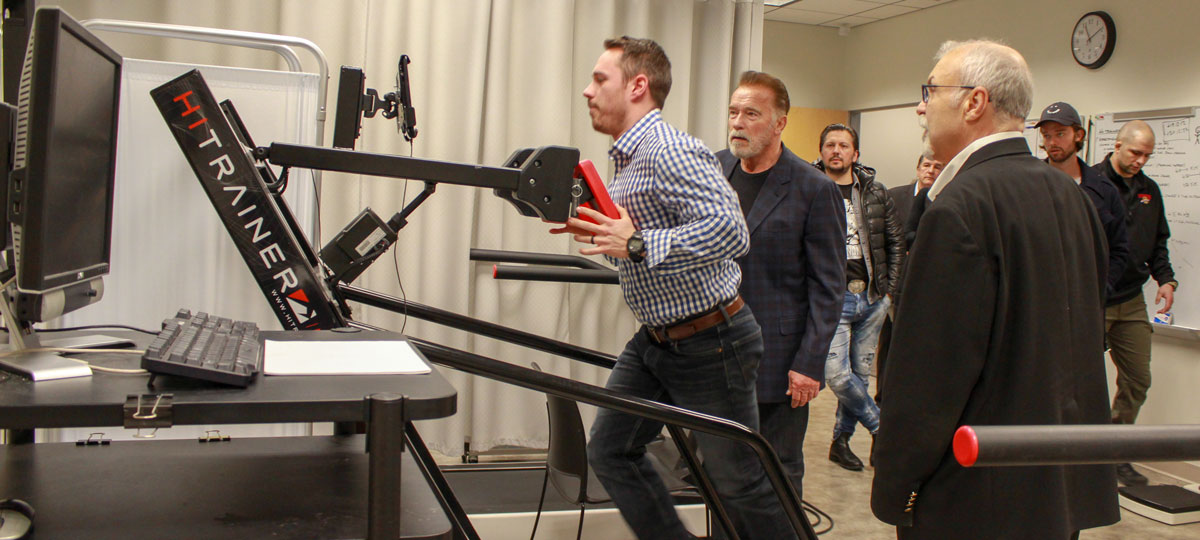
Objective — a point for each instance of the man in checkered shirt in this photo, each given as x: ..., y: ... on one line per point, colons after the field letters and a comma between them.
x: 680, y: 227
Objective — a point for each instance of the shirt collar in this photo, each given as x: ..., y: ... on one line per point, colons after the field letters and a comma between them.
x: 623, y: 147
x: 951, y: 169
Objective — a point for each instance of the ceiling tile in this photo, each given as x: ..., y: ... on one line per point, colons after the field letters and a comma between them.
x: 883, y: 12
x: 844, y: 7
x: 922, y: 4
x: 852, y: 21
x: 800, y: 16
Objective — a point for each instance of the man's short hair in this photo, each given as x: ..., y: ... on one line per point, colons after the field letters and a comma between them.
x: 998, y: 68
x: 646, y: 57
x: 757, y: 78
x: 841, y: 127
x: 1135, y: 128
x: 923, y: 157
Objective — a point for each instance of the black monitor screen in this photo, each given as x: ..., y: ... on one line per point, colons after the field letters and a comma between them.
x: 61, y: 202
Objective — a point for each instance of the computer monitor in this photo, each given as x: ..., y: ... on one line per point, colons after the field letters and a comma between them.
x: 60, y: 190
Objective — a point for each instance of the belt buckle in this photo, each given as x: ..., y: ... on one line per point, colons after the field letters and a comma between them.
x: 654, y: 335
x: 856, y: 286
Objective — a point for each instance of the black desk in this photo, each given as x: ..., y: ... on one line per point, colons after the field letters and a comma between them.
x: 30, y: 471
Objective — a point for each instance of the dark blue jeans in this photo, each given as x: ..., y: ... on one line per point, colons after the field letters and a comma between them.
x: 712, y: 372
x: 785, y: 427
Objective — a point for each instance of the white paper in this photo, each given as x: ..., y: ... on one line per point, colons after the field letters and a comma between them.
x: 341, y: 358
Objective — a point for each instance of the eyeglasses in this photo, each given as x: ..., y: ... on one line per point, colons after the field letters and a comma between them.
x: 925, y: 89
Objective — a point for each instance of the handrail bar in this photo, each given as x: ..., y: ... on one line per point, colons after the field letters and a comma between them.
x: 609, y: 399
x: 477, y: 326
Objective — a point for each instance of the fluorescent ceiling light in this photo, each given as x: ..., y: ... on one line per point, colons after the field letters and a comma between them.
x: 778, y: 3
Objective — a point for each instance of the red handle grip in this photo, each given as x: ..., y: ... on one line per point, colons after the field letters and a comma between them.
x: 600, y: 200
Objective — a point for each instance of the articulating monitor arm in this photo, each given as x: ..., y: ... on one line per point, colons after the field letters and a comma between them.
x: 540, y: 182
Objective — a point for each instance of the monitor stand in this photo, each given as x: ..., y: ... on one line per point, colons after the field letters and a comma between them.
x: 44, y: 366
x: 18, y: 357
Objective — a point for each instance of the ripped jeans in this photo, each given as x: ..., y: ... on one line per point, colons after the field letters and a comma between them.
x: 848, y: 366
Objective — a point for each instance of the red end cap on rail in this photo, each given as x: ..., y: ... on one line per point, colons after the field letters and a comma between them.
x: 966, y: 446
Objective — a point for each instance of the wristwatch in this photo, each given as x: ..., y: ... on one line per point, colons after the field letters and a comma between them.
x: 636, y: 247
x: 1174, y: 285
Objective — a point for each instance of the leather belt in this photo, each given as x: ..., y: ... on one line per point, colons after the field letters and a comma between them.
x: 697, y: 324
x: 856, y: 286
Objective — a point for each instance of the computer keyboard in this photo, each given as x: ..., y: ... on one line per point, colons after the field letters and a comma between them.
x: 205, y: 347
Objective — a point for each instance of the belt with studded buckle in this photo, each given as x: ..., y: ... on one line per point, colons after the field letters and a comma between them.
x: 856, y: 286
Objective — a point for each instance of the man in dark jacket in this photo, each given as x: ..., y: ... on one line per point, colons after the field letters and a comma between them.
x: 874, y: 253
x: 903, y: 198
x: 1126, y: 324
x: 999, y: 323
x: 794, y: 274
x: 928, y: 170
x: 1063, y: 135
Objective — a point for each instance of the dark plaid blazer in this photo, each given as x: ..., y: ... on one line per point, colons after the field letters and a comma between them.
x: 794, y: 277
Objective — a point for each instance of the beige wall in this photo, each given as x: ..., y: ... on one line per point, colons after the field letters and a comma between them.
x: 1152, y: 67
x: 882, y: 64
x: 809, y: 60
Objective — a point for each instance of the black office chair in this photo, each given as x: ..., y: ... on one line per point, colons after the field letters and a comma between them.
x: 567, y: 465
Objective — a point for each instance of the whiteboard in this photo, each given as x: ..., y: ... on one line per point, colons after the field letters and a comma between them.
x: 1175, y: 166
x: 890, y: 141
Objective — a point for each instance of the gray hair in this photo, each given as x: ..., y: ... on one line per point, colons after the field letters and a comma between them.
x: 998, y: 68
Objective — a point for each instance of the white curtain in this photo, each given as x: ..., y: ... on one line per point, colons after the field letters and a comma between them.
x: 488, y: 77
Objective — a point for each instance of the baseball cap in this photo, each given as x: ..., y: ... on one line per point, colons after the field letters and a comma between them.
x: 1060, y: 112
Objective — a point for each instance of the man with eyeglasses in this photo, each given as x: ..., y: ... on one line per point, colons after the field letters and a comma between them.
x: 874, y: 254
x: 1126, y: 324
x: 1000, y: 321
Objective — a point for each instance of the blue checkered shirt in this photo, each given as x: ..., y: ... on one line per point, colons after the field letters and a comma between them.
x: 671, y: 185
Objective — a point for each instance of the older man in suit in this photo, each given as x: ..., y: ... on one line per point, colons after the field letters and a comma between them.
x: 793, y: 276
x: 928, y: 170
x: 903, y: 197
x: 1000, y: 322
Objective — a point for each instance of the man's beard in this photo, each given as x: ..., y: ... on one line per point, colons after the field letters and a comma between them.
x: 839, y: 170
x: 747, y: 148
x: 1066, y: 156
x: 926, y: 146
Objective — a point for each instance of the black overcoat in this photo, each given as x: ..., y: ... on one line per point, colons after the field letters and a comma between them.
x: 1001, y: 323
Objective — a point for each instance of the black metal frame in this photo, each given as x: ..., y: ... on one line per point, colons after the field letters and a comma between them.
x: 538, y: 183
x: 580, y: 269
x: 675, y: 418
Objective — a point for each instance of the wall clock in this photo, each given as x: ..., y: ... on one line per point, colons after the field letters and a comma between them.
x: 1093, y: 39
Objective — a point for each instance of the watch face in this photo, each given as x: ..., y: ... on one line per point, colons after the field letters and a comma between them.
x: 1093, y: 39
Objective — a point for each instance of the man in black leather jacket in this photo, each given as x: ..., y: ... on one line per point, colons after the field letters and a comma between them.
x: 874, y: 255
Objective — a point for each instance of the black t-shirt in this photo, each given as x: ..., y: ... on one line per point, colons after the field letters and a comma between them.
x: 747, y: 186
x: 856, y: 264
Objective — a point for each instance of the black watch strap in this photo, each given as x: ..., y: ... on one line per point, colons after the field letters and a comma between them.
x: 636, y: 247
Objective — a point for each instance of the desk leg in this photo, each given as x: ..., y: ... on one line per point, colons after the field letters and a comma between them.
x: 463, y: 530
x: 385, y: 442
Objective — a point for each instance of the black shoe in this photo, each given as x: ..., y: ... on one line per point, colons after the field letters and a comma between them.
x: 1127, y: 476
x: 839, y: 452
